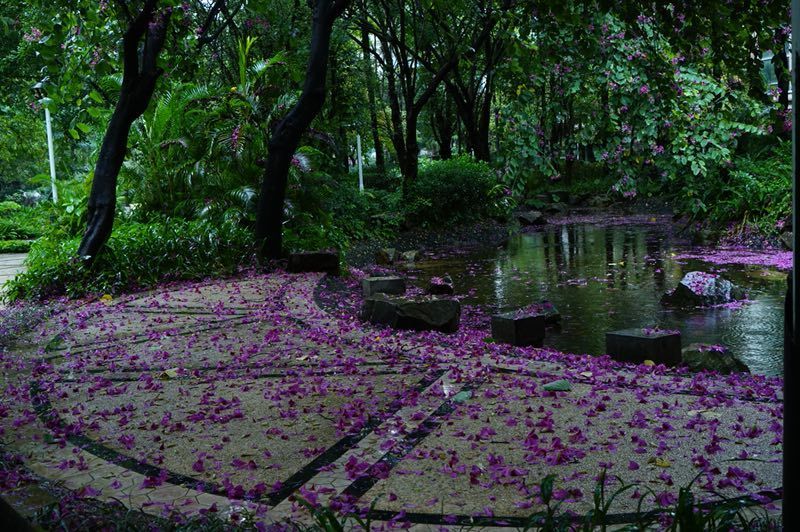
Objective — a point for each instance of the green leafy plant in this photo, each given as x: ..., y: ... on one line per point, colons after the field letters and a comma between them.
x: 450, y: 190
x: 137, y: 256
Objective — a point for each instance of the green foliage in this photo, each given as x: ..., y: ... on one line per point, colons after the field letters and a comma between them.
x: 756, y: 188
x: 23, y: 149
x: 137, y: 256
x: 23, y: 223
x: 14, y: 246
x: 452, y: 190
x: 650, y: 117
x: 390, y: 180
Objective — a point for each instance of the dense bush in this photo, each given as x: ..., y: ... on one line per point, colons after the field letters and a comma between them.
x: 22, y: 223
x: 389, y: 180
x: 137, y: 256
x: 755, y: 190
x: 457, y: 189
x: 14, y: 246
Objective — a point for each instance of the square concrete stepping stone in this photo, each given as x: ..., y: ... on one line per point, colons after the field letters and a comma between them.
x: 383, y: 285
x: 520, y: 329
x: 314, y: 261
x: 638, y: 345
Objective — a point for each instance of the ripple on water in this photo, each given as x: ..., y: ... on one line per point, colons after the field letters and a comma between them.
x: 607, y: 278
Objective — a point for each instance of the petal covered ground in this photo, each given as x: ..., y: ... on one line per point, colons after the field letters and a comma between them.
x: 248, y: 391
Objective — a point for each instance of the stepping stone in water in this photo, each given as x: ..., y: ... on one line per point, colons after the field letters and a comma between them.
x: 383, y: 285
x: 420, y: 313
x: 314, y: 261
x: 637, y: 345
x: 520, y: 329
x: 441, y: 286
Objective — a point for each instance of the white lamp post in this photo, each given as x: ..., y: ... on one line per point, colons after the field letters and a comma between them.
x: 360, y: 169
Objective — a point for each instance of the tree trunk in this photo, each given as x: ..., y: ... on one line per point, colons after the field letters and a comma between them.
x: 377, y: 143
x: 409, y: 166
x: 286, y: 135
x: 138, y: 83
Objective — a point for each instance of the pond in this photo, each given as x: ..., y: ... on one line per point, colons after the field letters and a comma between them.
x: 608, y: 277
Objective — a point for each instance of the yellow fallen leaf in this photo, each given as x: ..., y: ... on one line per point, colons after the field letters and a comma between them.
x: 649, y: 363
x: 168, y: 374
x: 659, y: 462
x: 106, y: 298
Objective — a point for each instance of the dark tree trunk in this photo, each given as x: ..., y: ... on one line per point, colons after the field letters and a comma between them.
x: 341, y: 148
x: 377, y: 143
x: 138, y: 83
x: 442, y: 125
x: 286, y: 135
x: 780, y: 62
x: 409, y: 165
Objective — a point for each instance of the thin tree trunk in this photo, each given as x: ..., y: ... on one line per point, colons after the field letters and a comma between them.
x: 286, y: 136
x: 138, y: 83
x: 377, y: 143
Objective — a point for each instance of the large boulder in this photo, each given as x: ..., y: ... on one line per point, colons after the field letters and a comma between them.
x: 701, y: 289
x: 419, y: 313
x: 704, y: 357
x: 531, y: 218
x: 314, y: 261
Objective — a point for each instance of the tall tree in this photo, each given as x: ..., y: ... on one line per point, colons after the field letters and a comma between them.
x: 286, y: 136
x: 148, y: 30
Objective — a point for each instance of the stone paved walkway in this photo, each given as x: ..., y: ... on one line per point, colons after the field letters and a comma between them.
x: 10, y: 266
x: 243, y: 393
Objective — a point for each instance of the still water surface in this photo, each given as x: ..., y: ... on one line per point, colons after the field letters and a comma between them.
x: 607, y: 278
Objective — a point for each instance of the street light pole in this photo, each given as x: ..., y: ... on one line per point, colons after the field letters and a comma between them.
x: 51, y: 154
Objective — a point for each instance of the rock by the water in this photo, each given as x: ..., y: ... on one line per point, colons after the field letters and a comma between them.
x: 704, y: 357
x: 383, y: 285
x: 386, y: 256
x: 420, y: 313
x: 314, y: 261
x: 701, y: 289
x: 786, y: 240
x: 441, y: 286
x: 409, y: 256
x: 531, y: 218
x: 519, y: 328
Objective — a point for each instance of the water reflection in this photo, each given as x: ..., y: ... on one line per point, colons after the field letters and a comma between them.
x: 606, y: 278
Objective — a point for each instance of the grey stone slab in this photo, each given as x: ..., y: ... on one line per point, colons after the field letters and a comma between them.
x: 638, y: 345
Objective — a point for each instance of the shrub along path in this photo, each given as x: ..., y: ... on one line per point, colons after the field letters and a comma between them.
x: 247, y: 392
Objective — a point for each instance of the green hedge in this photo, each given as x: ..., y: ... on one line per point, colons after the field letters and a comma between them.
x: 136, y: 256
x: 14, y: 246
x: 456, y: 189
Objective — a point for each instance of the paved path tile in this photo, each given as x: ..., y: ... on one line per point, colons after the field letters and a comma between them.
x: 209, y: 394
